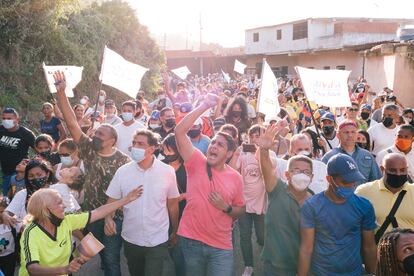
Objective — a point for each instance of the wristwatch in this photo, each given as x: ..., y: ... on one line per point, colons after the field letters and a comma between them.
x: 228, y: 210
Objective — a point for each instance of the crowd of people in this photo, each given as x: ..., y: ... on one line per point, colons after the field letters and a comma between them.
x: 328, y: 191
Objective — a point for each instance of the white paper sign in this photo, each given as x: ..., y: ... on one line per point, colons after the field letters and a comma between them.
x: 73, y: 76
x: 225, y: 76
x: 268, y: 102
x: 182, y: 72
x: 239, y: 67
x: 325, y: 87
x: 120, y: 73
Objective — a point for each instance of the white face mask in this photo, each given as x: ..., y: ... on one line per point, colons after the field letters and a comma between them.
x: 83, y: 101
x: 127, y: 116
x: 300, y: 181
x: 66, y: 161
x: 137, y: 154
x: 154, y: 126
x: 8, y: 124
x: 101, y: 99
x: 304, y: 152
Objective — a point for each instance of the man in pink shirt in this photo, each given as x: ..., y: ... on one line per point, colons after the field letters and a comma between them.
x: 214, y: 200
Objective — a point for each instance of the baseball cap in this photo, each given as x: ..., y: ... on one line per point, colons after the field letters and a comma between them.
x: 155, y: 115
x: 328, y: 116
x: 109, y: 103
x: 186, y: 107
x: 343, y: 165
x: 347, y: 123
x: 319, y: 113
x: 366, y: 106
x: 11, y: 110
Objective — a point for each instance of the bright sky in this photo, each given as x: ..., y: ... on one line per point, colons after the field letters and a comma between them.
x: 224, y: 21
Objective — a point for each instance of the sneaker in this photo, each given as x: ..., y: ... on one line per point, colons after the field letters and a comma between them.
x: 248, y: 271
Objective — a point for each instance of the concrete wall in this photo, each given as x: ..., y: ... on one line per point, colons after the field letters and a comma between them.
x: 404, y: 80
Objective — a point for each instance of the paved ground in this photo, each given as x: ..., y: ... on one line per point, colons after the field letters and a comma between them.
x: 92, y: 268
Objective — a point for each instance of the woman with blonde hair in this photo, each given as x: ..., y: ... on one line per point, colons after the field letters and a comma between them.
x: 46, y: 239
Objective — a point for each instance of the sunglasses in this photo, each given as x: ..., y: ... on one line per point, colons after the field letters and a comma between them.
x: 353, y: 109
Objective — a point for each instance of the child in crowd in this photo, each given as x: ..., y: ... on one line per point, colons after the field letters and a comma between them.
x: 44, y: 145
x: 69, y: 187
x: 69, y: 157
x: 17, y: 182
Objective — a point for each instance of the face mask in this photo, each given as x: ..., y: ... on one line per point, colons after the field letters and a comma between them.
x: 193, y: 133
x: 364, y: 116
x: 343, y: 192
x: 8, y: 124
x: 300, y: 181
x: 407, y: 120
x: 56, y: 221
x: 328, y: 130
x: 408, y: 264
x: 170, y: 123
x: 396, y: 181
x: 45, y: 154
x: 127, y: 116
x: 361, y: 145
x: 66, y: 161
x: 387, y: 121
x: 83, y: 101
x: 38, y: 183
x: 171, y: 158
x: 101, y: 99
x: 305, y: 152
x: 403, y: 144
x: 137, y: 154
x: 236, y: 114
x: 153, y: 126
x: 97, y: 143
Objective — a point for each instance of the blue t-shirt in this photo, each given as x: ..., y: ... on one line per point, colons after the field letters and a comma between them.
x: 20, y: 184
x: 51, y: 128
x: 203, y: 144
x: 338, y: 233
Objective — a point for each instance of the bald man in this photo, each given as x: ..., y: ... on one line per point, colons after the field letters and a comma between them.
x: 382, y: 193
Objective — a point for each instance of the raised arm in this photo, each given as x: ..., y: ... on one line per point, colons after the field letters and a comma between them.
x: 66, y: 109
x: 167, y: 89
x: 185, y: 148
x: 266, y: 141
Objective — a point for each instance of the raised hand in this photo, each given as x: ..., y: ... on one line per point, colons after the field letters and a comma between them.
x: 60, y: 81
x: 267, y: 137
x: 211, y: 100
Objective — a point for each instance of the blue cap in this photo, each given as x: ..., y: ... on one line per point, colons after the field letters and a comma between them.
x: 155, y: 115
x: 366, y: 106
x: 328, y: 116
x: 344, y: 165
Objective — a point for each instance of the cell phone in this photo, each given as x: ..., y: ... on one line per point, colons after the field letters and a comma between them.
x: 249, y: 148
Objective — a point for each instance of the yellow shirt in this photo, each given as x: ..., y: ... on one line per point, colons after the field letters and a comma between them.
x: 383, y: 200
x: 38, y: 246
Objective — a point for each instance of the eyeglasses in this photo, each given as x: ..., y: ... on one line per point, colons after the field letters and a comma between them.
x: 297, y: 171
x: 353, y: 109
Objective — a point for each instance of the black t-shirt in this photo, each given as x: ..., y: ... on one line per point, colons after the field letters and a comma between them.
x: 181, y: 176
x: 162, y: 132
x: 14, y: 146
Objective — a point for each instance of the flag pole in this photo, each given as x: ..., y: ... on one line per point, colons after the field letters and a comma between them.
x: 99, y: 90
x: 261, y: 87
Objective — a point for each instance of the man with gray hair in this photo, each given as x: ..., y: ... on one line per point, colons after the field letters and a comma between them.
x: 383, y: 134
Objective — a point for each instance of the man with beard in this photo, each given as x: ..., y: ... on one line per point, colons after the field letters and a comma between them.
x: 101, y: 160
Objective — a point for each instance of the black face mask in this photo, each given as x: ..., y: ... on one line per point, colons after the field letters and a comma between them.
x: 170, y: 123
x: 193, y: 133
x: 56, y: 221
x: 171, y: 158
x: 396, y: 181
x: 45, y: 154
x: 361, y: 145
x: 408, y: 264
x: 387, y: 121
x: 38, y: 183
x: 327, y: 130
x: 236, y: 114
x: 97, y: 143
x: 364, y: 116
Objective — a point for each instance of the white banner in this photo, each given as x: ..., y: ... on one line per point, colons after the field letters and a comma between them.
x: 325, y: 87
x: 225, y: 76
x: 239, y: 67
x: 120, y: 73
x: 267, y: 102
x: 73, y: 76
x: 181, y: 72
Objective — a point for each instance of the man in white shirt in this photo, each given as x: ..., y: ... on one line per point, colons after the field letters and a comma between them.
x: 402, y: 144
x: 146, y: 220
x: 127, y: 128
x: 383, y: 134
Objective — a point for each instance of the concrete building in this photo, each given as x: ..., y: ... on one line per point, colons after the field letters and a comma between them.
x: 320, y: 43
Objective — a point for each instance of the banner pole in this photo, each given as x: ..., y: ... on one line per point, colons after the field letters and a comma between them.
x: 99, y: 90
x: 261, y: 87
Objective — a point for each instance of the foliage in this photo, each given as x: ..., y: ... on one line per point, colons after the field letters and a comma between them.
x: 63, y: 32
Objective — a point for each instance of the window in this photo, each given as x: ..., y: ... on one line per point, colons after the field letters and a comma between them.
x: 311, y: 67
x: 300, y: 30
x: 280, y: 71
x: 279, y: 34
x: 259, y: 69
x: 326, y: 67
x: 255, y: 37
x: 340, y: 67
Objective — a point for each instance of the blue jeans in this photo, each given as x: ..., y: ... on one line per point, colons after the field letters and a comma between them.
x: 246, y: 223
x: 111, y: 254
x: 177, y: 256
x: 204, y: 260
x: 6, y: 183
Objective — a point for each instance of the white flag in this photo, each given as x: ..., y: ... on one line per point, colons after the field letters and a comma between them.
x: 325, y: 87
x: 268, y: 102
x: 225, y: 76
x: 239, y: 67
x: 182, y: 72
x: 73, y: 76
x: 120, y: 73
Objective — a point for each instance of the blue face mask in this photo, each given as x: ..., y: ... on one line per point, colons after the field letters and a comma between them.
x: 137, y: 154
x: 343, y: 192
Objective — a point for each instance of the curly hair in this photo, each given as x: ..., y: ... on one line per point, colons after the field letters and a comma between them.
x: 243, y: 106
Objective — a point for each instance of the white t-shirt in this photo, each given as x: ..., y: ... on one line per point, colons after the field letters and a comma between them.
x: 409, y: 157
x: 125, y: 135
x: 113, y: 121
x: 71, y: 205
x: 382, y: 137
x: 146, y: 219
x: 7, y: 242
x: 319, y: 182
